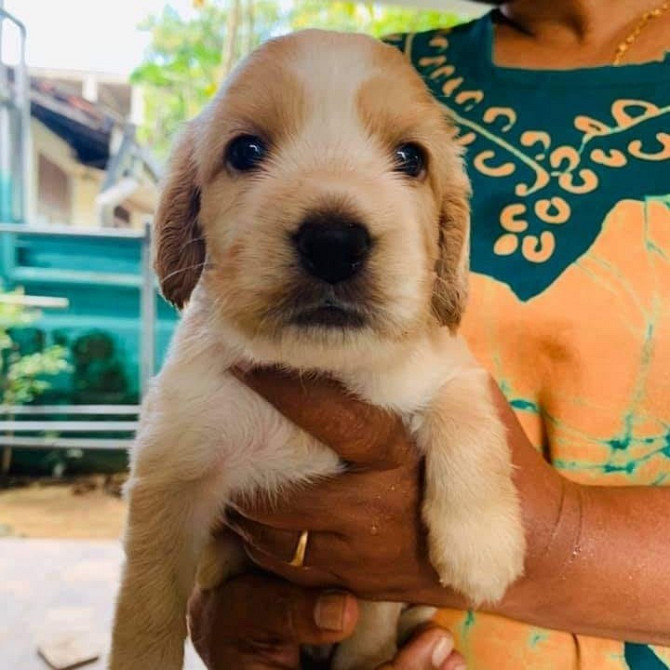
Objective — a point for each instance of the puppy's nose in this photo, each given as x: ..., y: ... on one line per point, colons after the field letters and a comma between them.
x: 332, y: 250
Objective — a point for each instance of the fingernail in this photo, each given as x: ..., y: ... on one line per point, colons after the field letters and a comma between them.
x: 329, y: 611
x: 443, y: 647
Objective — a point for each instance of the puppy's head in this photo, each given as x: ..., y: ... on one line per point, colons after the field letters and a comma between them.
x: 319, y: 202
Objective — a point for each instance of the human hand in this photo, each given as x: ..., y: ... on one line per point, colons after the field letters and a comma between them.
x: 258, y: 622
x: 366, y: 533
x: 360, y: 522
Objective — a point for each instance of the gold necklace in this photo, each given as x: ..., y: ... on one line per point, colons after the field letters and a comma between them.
x: 623, y: 48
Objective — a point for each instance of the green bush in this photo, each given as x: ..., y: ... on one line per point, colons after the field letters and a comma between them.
x: 23, y: 377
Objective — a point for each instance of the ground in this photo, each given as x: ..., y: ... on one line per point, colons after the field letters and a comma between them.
x: 57, y: 511
x: 60, y: 561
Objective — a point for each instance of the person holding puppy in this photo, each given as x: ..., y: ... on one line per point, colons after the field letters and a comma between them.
x: 563, y: 109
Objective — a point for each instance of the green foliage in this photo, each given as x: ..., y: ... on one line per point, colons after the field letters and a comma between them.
x: 22, y: 377
x: 368, y: 18
x: 98, y: 376
x: 184, y: 64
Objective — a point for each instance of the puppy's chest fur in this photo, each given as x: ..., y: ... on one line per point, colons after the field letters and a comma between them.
x: 206, y: 440
x: 206, y: 423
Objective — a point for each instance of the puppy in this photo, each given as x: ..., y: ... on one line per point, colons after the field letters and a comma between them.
x: 315, y: 217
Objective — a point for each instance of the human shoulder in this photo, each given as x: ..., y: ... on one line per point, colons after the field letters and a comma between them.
x: 460, y: 36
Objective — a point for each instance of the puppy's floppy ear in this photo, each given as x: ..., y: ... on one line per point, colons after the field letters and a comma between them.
x: 450, y: 291
x: 179, y: 245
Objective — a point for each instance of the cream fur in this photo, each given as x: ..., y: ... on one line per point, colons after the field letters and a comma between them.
x: 205, y: 438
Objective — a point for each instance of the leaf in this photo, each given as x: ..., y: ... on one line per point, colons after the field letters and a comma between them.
x: 181, y: 67
x: 22, y: 377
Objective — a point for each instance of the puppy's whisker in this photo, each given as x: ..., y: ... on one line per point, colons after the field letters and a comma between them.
x: 205, y: 265
x: 194, y: 240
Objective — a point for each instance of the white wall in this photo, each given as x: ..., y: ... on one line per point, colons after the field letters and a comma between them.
x: 84, y: 182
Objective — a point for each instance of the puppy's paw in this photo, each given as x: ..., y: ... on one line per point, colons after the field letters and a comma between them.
x: 480, y: 554
x: 412, y: 618
x: 375, y: 639
x: 347, y: 658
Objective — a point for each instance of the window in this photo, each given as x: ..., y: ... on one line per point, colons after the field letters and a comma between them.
x: 121, y: 217
x: 54, y: 195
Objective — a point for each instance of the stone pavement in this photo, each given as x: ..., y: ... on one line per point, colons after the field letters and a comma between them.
x: 53, y: 587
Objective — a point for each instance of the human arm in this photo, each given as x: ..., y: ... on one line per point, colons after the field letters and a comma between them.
x: 597, y: 560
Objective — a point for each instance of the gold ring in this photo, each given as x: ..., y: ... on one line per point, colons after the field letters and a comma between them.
x: 298, y: 559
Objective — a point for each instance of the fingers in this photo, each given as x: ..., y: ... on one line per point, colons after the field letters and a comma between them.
x: 361, y: 434
x: 259, y: 622
x: 281, y: 545
x: 432, y: 648
x: 256, y: 609
x: 330, y: 504
x: 455, y: 662
x: 276, y: 542
x: 254, y: 618
x: 305, y: 576
x: 299, y: 507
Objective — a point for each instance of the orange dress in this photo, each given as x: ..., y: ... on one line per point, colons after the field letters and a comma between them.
x: 570, y: 286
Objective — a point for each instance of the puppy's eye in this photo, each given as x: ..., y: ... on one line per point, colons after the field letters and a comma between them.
x: 410, y: 159
x: 246, y: 152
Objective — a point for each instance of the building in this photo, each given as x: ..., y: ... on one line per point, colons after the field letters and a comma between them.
x: 76, y: 192
x: 85, y: 166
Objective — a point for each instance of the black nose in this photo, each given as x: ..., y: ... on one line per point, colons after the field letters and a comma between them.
x: 332, y: 248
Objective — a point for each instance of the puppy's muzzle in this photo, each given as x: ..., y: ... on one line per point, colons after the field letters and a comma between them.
x: 332, y: 249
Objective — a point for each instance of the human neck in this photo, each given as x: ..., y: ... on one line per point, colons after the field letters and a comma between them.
x: 577, y: 33
x: 581, y: 21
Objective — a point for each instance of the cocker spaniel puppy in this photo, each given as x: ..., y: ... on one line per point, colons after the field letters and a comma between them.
x: 315, y: 217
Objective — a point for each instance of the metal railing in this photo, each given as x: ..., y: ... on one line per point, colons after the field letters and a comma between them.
x: 44, y: 433
x: 36, y: 427
x: 43, y: 426
x: 14, y: 123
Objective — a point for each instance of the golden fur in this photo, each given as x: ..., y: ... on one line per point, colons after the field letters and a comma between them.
x: 322, y: 103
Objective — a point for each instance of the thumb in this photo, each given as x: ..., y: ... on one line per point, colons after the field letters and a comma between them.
x: 255, y: 621
x: 430, y: 649
x: 255, y: 607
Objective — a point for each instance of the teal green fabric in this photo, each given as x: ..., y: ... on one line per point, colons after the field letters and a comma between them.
x: 584, y: 125
x: 564, y: 164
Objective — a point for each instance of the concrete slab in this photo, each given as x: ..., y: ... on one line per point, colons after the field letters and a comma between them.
x: 55, y: 588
